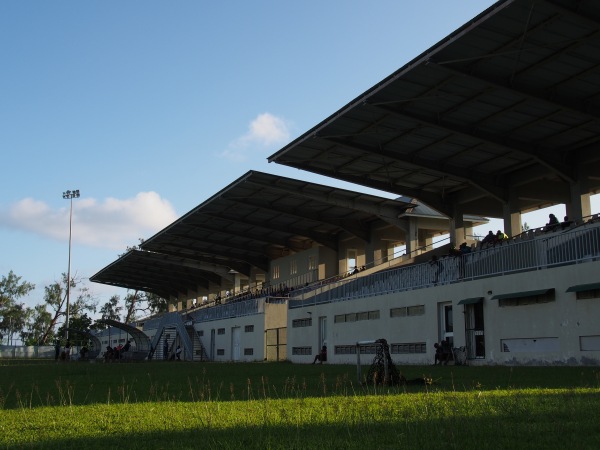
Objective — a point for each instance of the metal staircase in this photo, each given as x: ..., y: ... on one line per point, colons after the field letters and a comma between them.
x: 172, y: 321
x: 199, y: 351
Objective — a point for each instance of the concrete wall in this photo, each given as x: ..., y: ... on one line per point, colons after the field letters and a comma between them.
x: 563, y: 331
x: 223, y: 344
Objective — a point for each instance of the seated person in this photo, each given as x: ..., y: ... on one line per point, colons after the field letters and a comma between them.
x: 552, y: 223
x: 438, y: 354
x: 446, y: 352
x: 464, y: 248
x: 454, y: 251
x: 322, y: 356
x: 566, y: 223
x: 490, y: 239
x: 501, y: 237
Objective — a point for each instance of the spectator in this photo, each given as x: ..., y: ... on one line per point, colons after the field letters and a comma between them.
x: 322, y: 356
x: 501, y: 237
x: 178, y: 352
x: 437, y: 268
x: 67, y: 351
x: 438, y: 354
x: 566, y: 223
x: 464, y: 248
x: 489, y: 240
x: 446, y: 351
x: 552, y: 223
x: 57, y: 350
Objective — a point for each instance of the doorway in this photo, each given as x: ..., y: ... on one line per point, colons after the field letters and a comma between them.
x: 474, y: 331
x: 322, y: 332
x: 446, y: 323
x: 235, y: 343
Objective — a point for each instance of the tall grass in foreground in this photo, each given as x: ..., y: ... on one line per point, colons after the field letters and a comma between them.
x: 180, y: 405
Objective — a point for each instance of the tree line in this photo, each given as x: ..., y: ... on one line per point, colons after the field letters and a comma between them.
x: 44, y: 323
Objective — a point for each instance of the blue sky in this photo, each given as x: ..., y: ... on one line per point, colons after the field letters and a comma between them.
x: 150, y: 107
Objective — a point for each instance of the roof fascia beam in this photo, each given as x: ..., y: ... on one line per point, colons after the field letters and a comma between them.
x: 259, y: 262
x: 381, y: 211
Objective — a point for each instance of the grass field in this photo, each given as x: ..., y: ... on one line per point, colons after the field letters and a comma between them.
x: 281, y: 405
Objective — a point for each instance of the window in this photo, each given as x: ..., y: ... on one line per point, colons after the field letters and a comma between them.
x: 297, y: 323
x: 354, y: 317
x: 373, y: 315
x: 312, y: 262
x: 221, y: 331
x: 301, y: 350
x: 345, y: 350
x: 249, y: 328
x: 293, y: 267
x: 410, y: 347
x: 398, y: 312
x: 528, y: 300
x: 416, y: 310
x: 221, y: 351
x: 248, y: 351
x: 592, y: 293
x: 275, y: 272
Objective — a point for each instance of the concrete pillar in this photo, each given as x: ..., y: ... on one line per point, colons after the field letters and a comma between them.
x: 412, y: 237
x: 579, y: 204
x: 512, y: 220
x: 370, y: 248
x: 457, y: 227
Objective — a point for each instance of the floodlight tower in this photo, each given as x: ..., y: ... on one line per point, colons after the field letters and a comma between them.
x: 69, y: 195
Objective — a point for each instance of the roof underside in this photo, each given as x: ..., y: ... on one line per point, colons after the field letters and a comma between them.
x: 505, y: 108
x: 256, y: 219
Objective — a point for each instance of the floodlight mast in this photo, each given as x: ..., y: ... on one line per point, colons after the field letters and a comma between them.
x: 69, y: 195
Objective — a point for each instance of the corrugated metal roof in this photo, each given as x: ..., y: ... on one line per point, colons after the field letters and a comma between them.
x: 505, y: 108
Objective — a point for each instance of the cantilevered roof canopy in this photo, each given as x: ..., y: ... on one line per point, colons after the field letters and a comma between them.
x: 257, y: 218
x: 505, y: 108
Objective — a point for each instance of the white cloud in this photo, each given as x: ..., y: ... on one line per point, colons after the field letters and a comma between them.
x: 264, y: 132
x: 112, y: 223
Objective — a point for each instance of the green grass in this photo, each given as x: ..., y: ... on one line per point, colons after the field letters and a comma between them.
x: 258, y: 406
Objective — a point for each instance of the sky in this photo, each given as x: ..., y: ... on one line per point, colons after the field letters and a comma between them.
x: 149, y: 108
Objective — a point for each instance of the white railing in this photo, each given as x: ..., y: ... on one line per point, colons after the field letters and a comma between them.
x: 233, y: 309
x: 554, y: 249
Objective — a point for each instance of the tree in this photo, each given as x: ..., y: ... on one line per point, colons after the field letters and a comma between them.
x: 13, y: 321
x: 38, y: 321
x: 111, y: 310
x: 80, y: 322
x: 55, y: 296
x: 144, y: 302
x: 11, y: 288
x: 12, y: 314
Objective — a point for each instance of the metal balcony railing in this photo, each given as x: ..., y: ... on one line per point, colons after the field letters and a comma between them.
x: 579, y: 245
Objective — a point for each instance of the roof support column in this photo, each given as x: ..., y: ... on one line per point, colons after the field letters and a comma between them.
x: 512, y: 220
x: 412, y: 237
x: 579, y: 199
x: 457, y: 227
x: 370, y: 249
